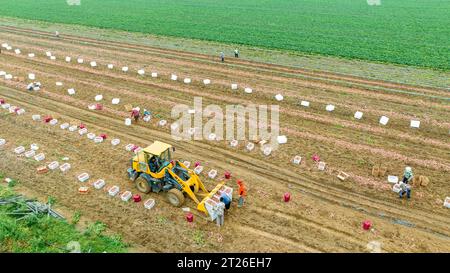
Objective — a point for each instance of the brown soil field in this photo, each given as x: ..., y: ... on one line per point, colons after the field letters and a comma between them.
x: 324, y: 215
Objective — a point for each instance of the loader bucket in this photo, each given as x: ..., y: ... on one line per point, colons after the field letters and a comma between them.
x: 209, y: 203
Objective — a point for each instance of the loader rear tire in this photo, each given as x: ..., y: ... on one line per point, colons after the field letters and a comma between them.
x: 142, y: 185
x: 175, y: 197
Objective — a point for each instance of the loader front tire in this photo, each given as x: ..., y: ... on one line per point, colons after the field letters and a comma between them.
x: 142, y: 185
x: 175, y: 197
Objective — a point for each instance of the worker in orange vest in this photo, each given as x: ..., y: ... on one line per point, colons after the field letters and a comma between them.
x: 242, y: 191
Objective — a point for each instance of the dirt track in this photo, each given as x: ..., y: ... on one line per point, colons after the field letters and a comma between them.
x: 324, y: 215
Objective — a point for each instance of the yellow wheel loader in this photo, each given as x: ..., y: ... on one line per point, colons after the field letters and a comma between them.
x: 153, y: 170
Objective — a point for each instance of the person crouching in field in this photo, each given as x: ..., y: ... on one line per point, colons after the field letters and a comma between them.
x: 135, y: 113
x: 236, y: 53
x: 222, y: 57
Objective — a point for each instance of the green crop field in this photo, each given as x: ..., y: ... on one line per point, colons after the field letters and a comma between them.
x: 411, y: 32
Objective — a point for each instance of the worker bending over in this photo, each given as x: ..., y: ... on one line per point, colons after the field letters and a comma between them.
x: 135, y: 113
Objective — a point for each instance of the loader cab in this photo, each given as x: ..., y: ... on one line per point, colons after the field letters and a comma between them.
x: 153, y: 159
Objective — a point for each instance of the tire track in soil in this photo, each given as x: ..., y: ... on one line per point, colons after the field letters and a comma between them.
x: 242, y: 63
x: 317, y: 190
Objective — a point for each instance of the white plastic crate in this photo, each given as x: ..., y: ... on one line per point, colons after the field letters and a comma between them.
x: 125, y: 69
x: 68, y: 59
x: 52, y: 58
x: 83, y: 177
x: 2, y: 141
x: 297, y: 160
x: 115, y: 142
x: 115, y: 101
x: 234, y: 86
x: 99, y: 184
x: 71, y: 91
x: 65, y: 167
x: 234, y: 143
x: 8, y: 77
x: 282, y: 139
x: 206, y: 81
x: 129, y: 147
x: 248, y: 90
x: 127, y: 121
x: 125, y: 196
x: 173, y: 77
x: 39, y: 157
x: 212, y: 136
x: 415, y: 123
x: 267, y: 150
x: 91, y: 136
x: 6, y: 106
x: 48, y: 53
x: 34, y: 147
x: 73, y: 128
x: 80, y: 61
x: 154, y: 75
x: 330, y: 108
x: 321, y: 166
x: 358, y: 115
x: 250, y: 146
x: 392, y: 179
x: 212, y: 174
x: 82, y: 131
x: 150, y: 203
x: 19, y: 150
x: 396, y: 188
x: 36, y: 117
x: 64, y: 126
x: 447, y: 202
x: 17, y: 51
x: 384, y: 120
x: 187, y: 80
x: 31, y: 55
x: 198, y: 169
x: 187, y: 164
x: 110, y: 66
x: 53, y: 122
x: 93, y: 64
x: 114, y: 190
x: 98, y: 139
x: 21, y: 111
x: 30, y: 153
x: 31, y: 76
x: 162, y: 122
x: 59, y: 84
x: 279, y: 97
x: 53, y: 165
x: 141, y: 72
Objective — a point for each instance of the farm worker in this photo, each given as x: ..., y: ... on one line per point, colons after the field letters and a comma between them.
x: 135, y: 114
x: 220, y: 214
x: 236, y: 53
x: 242, y: 191
x: 405, y: 188
x: 222, y: 56
x: 57, y: 33
x: 226, y: 200
x: 407, y: 175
